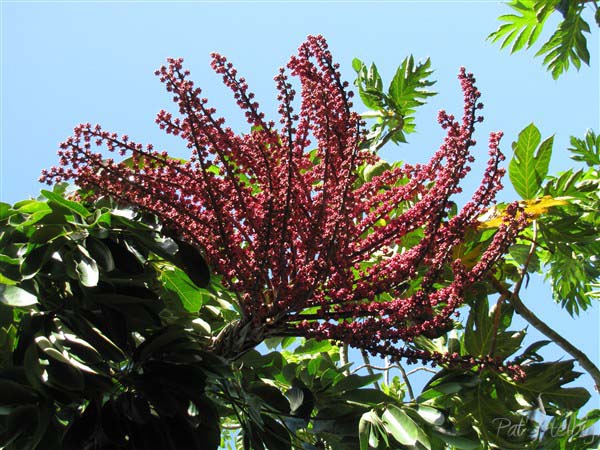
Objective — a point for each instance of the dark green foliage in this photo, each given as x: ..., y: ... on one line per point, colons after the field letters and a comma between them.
x: 93, y: 363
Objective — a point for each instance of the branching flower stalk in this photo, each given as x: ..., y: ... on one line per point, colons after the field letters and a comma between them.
x: 308, y: 247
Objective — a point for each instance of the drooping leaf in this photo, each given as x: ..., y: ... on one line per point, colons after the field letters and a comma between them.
x: 523, y: 28
x: 86, y: 268
x: 568, y: 44
x: 189, y: 258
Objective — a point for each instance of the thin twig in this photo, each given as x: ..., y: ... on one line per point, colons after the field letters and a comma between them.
x: 371, y: 366
x: 426, y: 369
x: 386, y: 374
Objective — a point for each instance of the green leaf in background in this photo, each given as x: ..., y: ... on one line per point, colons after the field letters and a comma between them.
x: 529, y: 165
x: 409, y: 86
x: 568, y: 43
x: 586, y: 150
x: 369, y: 85
x: 523, y: 28
x: 15, y: 296
x: 394, y: 110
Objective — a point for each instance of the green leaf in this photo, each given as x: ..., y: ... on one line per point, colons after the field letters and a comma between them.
x: 568, y: 44
x: 201, y: 325
x: 431, y: 415
x: 312, y: 347
x: 46, y: 233
x: 7, y: 281
x: 176, y: 280
x: 100, y: 253
x: 586, y: 150
x: 408, y: 87
x: 521, y: 29
x: 276, y: 436
x: 190, y: 260
x: 370, y: 86
x: 70, y: 205
x: 364, y: 430
x: 458, y: 442
x: 14, y: 394
x: 6, y: 211
x: 15, y: 296
x: 366, y: 396
x: 400, y: 425
x: 354, y: 381
x: 520, y: 253
x: 86, y: 268
x: 529, y: 165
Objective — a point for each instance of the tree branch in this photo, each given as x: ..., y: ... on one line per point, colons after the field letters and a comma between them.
x: 409, y: 389
x: 368, y: 366
x: 344, y: 357
x: 543, y: 328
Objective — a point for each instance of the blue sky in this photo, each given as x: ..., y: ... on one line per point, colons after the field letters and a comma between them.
x: 69, y: 62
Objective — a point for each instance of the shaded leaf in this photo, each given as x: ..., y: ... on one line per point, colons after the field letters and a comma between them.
x: 15, y: 296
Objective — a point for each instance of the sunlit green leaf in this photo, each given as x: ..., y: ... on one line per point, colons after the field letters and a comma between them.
x: 568, y: 44
x: 523, y: 28
x: 400, y: 425
x: 529, y: 165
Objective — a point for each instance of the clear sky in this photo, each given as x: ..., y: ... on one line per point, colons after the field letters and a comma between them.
x: 93, y: 61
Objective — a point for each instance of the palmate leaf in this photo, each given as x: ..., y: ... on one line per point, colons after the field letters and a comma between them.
x: 369, y: 85
x: 522, y: 29
x: 568, y: 44
x: 408, y: 88
x: 570, y: 234
x: 586, y: 150
x: 393, y: 110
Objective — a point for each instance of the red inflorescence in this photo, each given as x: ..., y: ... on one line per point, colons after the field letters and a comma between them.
x: 297, y: 236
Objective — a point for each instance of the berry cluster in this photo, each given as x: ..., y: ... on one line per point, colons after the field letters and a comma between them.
x: 307, y: 245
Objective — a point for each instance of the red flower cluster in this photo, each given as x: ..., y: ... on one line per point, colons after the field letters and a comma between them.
x: 303, y: 242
